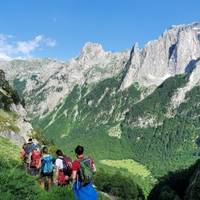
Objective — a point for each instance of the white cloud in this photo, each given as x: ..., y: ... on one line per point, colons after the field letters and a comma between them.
x: 3, y: 56
x: 12, y: 49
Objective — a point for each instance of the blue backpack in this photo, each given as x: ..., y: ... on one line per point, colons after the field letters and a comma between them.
x: 29, y: 148
x: 47, y: 164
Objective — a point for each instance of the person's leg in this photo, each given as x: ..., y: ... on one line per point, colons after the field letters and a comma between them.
x: 42, y: 181
x: 37, y: 172
x: 42, y: 184
x: 33, y: 171
x: 67, y: 180
x: 50, y: 180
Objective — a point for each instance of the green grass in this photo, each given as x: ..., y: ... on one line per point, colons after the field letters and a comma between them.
x: 131, y: 166
x: 132, y: 169
x: 8, y: 121
x: 9, y: 150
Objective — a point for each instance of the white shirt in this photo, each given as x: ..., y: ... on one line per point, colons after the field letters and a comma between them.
x: 59, y: 163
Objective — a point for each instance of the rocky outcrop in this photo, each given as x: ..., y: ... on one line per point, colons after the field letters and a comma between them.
x: 22, y: 121
x: 14, y: 137
x: 180, y: 94
x: 13, y: 123
x: 167, y: 56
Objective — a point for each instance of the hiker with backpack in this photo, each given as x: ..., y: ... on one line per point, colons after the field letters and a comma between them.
x: 83, y: 169
x: 35, y: 161
x: 63, y: 168
x: 28, y: 148
x: 46, y: 170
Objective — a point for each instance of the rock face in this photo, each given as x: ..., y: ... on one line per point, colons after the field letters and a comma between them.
x: 13, y: 124
x: 172, y: 53
x: 25, y: 127
x: 44, y: 82
x: 194, y: 80
x: 14, y: 137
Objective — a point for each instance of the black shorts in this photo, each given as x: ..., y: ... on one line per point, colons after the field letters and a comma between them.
x: 48, y: 175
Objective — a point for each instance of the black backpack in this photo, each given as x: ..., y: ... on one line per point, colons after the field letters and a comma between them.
x: 67, y: 165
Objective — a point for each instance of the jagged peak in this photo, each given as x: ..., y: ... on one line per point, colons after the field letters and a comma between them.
x: 94, y: 48
x: 135, y: 48
x: 191, y: 25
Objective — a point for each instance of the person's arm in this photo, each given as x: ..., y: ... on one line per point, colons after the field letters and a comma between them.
x: 57, y: 167
x: 74, y: 175
x: 30, y: 160
x: 93, y: 165
x: 75, y: 169
x: 94, y: 168
x: 56, y: 174
x: 39, y: 163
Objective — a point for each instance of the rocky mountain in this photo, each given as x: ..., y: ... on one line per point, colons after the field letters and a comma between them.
x: 13, y: 124
x: 175, y: 52
x: 44, y: 82
x: 144, y: 102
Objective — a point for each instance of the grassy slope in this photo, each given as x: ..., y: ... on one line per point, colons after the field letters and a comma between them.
x: 132, y: 169
x: 7, y: 121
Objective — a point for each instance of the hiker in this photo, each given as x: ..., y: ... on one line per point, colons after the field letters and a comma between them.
x: 28, y: 149
x: 83, y: 169
x: 46, y: 170
x: 63, y: 168
x: 35, y: 162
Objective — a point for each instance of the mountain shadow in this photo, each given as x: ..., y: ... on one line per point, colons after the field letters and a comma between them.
x: 179, y: 185
x: 191, y: 65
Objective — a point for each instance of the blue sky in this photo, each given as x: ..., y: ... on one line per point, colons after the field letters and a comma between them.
x: 59, y: 28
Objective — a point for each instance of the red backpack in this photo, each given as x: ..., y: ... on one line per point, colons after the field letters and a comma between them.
x: 35, y: 159
x: 66, y: 171
x: 67, y: 165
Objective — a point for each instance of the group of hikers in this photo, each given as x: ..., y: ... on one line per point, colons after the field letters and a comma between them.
x: 61, y: 170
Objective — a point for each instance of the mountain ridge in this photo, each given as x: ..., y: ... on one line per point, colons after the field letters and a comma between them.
x: 149, y: 67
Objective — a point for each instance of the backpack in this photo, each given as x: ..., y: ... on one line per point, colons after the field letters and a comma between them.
x: 35, y: 159
x: 86, y: 172
x: 67, y: 165
x: 47, y: 164
x: 29, y: 148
